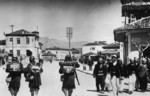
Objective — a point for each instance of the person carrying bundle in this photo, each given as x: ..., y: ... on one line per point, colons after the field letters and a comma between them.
x: 67, y: 68
x: 33, y: 76
x: 14, y: 68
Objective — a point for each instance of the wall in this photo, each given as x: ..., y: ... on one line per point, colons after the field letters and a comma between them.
x: 60, y: 54
x: 87, y: 49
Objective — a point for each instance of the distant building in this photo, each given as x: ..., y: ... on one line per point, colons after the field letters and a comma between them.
x: 59, y: 52
x: 62, y: 52
x: 94, y: 47
x: 22, y: 42
x: 111, y: 49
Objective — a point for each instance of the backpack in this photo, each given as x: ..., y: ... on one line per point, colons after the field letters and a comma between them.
x: 68, y: 69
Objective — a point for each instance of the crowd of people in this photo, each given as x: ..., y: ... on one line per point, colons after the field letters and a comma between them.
x: 111, y: 74
x: 32, y: 73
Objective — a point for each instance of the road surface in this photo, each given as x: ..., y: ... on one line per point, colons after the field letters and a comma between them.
x: 51, y: 84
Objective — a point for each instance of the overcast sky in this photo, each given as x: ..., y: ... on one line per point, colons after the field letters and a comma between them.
x: 92, y: 20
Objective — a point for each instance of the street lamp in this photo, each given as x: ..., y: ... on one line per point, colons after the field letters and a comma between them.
x: 12, y: 39
x: 69, y: 36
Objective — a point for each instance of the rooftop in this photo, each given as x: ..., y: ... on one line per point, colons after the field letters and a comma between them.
x: 22, y: 32
x: 112, y: 46
x: 96, y: 43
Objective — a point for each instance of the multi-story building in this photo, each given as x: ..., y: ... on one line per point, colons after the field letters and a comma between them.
x: 94, y: 47
x: 22, y: 42
x: 135, y: 34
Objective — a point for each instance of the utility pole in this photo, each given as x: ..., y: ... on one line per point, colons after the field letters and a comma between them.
x: 69, y: 37
x: 12, y: 26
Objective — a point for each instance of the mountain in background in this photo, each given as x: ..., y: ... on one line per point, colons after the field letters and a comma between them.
x: 47, y: 43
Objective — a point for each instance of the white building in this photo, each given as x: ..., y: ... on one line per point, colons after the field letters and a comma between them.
x: 94, y: 47
x: 22, y: 42
x: 59, y: 52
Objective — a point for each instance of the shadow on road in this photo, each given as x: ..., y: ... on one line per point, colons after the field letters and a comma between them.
x: 102, y: 95
x: 92, y: 90
x: 97, y: 92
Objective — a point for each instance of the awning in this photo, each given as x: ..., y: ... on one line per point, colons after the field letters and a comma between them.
x: 141, y: 25
x: 112, y: 46
x: 111, y: 52
x: 48, y: 54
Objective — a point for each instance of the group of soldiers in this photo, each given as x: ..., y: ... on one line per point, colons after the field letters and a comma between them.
x: 112, y: 74
x: 32, y: 73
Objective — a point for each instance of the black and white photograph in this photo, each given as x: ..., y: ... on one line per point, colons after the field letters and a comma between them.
x: 75, y: 47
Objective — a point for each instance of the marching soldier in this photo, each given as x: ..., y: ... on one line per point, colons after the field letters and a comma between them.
x: 99, y: 74
x: 68, y: 78
x: 33, y: 76
x: 14, y: 69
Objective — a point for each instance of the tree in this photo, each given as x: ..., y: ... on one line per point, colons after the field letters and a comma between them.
x: 140, y: 50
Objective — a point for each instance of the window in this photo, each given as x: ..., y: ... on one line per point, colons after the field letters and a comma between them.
x: 18, y: 52
x: 28, y: 41
x: 11, y: 39
x: 92, y: 48
x: 11, y: 51
x: 18, y: 40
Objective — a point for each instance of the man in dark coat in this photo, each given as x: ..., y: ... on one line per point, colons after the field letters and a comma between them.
x: 115, y: 72
x: 15, y: 75
x: 99, y: 74
x: 143, y: 75
x: 68, y: 77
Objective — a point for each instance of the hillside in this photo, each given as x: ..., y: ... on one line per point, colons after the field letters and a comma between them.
x: 47, y: 43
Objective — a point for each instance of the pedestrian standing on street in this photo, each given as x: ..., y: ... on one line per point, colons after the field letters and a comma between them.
x: 99, y: 74
x: 123, y: 75
x: 33, y: 76
x: 143, y: 75
x: 114, y: 69
x: 68, y: 77
x: 131, y: 70
x: 90, y: 63
x: 14, y: 69
x: 107, y: 79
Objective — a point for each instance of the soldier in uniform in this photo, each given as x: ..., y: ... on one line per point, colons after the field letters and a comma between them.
x: 115, y: 72
x: 68, y: 78
x: 99, y: 74
x: 33, y: 76
x: 14, y: 69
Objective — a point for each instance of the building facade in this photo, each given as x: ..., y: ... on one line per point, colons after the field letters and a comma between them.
x: 22, y: 42
x: 135, y: 34
x: 59, y: 52
x: 62, y: 52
